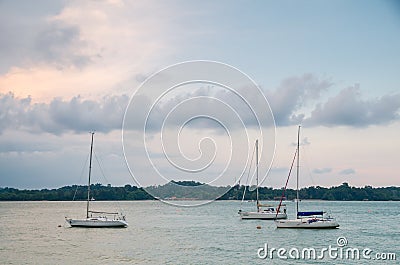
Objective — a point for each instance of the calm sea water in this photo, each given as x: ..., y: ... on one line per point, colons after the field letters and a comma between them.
x: 164, y: 234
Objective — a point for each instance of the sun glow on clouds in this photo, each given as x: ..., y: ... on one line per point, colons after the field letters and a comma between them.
x: 91, y: 49
x: 45, y: 83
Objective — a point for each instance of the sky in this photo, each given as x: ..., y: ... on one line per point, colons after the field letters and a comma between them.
x: 71, y: 67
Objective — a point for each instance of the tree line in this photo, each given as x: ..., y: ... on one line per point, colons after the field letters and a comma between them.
x: 175, y: 189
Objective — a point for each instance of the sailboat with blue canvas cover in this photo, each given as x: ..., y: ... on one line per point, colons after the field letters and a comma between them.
x: 309, y: 219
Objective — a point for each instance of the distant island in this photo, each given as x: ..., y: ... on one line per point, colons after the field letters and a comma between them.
x: 180, y: 190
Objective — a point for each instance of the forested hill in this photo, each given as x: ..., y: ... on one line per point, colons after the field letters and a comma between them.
x: 343, y: 192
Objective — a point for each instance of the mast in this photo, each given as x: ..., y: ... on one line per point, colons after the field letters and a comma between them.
x: 258, y: 208
x: 90, y: 172
x: 297, y: 175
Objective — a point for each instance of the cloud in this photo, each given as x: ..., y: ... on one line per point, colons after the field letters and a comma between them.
x: 348, y: 108
x: 29, y: 160
x: 106, y: 114
x: 60, y: 44
x: 60, y: 116
x: 81, y: 115
x: 294, y: 93
x: 322, y: 170
x: 37, y: 37
x: 88, y: 48
x: 347, y: 171
x: 299, y: 100
x: 223, y: 105
x: 303, y: 142
x: 19, y: 25
x: 292, y: 101
x: 18, y: 142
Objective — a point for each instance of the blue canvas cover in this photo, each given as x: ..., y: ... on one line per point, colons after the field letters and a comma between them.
x: 310, y: 213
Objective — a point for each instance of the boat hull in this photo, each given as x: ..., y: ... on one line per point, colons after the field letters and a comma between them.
x: 262, y: 215
x: 307, y: 223
x: 96, y: 223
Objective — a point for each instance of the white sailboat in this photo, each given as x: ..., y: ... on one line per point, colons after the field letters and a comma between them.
x: 310, y: 219
x: 97, y: 218
x: 264, y: 211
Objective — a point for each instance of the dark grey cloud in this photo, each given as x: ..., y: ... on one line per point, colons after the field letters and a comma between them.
x: 213, y: 106
x: 294, y: 93
x: 348, y: 108
x: 221, y: 105
x: 59, y: 116
x: 28, y: 37
x: 79, y: 115
x: 60, y: 45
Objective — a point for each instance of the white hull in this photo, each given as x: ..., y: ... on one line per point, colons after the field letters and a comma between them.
x: 262, y: 215
x: 307, y: 223
x: 97, y: 222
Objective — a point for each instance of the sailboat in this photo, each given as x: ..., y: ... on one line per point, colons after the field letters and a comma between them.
x: 310, y: 219
x: 264, y: 211
x: 97, y: 218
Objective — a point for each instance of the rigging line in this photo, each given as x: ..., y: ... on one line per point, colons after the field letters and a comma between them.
x: 307, y: 165
x: 101, y: 169
x: 248, y: 174
x: 267, y: 174
x: 80, y: 178
x: 287, y: 181
x: 255, y: 171
x: 104, y: 176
